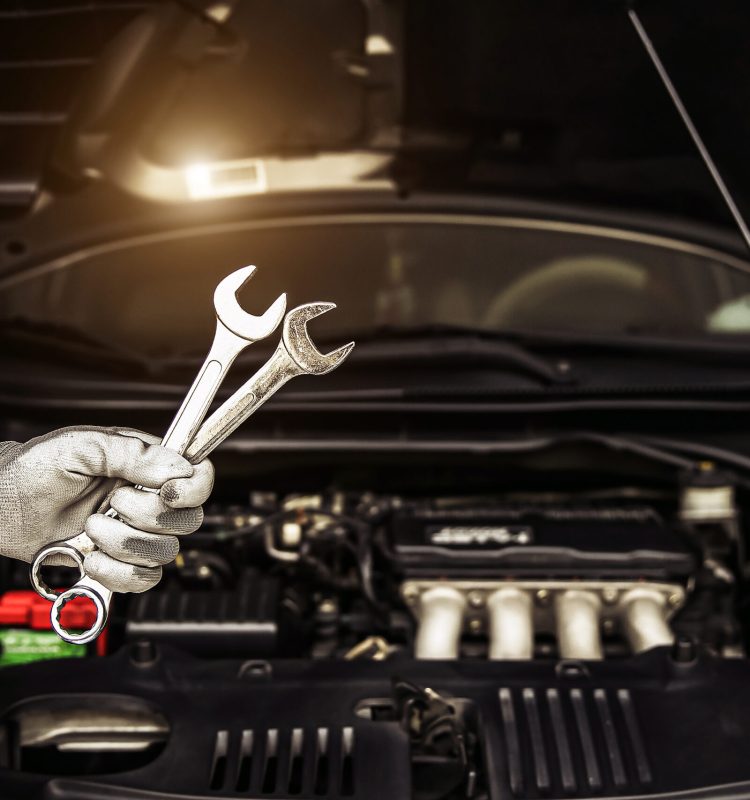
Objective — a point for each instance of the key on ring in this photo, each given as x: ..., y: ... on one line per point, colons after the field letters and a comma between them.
x: 235, y: 330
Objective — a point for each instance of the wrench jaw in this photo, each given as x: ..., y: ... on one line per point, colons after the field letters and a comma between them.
x: 298, y: 344
x: 231, y: 314
x: 296, y: 355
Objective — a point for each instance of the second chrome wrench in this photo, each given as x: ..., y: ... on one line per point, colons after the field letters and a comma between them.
x: 235, y: 330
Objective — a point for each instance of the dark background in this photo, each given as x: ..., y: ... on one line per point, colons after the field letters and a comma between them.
x: 549, y: 99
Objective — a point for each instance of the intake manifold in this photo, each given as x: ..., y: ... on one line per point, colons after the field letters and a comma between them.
x: 511, y: 613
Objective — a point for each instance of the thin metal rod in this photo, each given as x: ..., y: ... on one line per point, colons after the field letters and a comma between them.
x: 688, y: 122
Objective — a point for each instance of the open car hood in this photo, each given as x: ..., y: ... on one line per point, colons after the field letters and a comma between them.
x: 551, y: 101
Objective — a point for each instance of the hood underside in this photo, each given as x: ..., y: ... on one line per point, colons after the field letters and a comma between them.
x: 552, y: 101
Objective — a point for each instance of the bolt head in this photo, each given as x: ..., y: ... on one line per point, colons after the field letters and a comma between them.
x: 543, y: 597
x: 476, y: 599
x: 411, y: 594
x: 327, y: 607
x: 609, y: 596
x: 674, y: 599
x: 143, y: 653
x: 475, y: 625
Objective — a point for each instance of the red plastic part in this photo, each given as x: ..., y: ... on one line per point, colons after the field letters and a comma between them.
x: 25, y: 609
x: 101, y: 642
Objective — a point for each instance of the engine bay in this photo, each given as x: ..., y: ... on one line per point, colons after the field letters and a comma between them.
x: 343, y: 575
x: 502, y: 554
x: 343, y: 642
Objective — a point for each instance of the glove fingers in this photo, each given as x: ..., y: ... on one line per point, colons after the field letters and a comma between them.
x: 107, y: 452
x: 148, y: 512
x: 192, y: 491
x: 124, y: 543
x: 118, y: 576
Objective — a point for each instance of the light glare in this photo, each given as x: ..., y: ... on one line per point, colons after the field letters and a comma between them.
x: 206, y: 181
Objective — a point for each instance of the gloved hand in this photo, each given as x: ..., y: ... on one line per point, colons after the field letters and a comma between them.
x: 52, y: 487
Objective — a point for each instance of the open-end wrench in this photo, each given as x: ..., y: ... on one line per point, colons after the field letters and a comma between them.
x: 235, y: 330
x: 295, y: 355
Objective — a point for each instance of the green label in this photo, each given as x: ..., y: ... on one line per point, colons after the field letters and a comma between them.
x: 20, y: 646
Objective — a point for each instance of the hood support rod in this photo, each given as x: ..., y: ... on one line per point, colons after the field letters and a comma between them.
x: 689, y: 125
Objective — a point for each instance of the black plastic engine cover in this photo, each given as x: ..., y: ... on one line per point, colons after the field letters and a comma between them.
x: 243, y: 620
x: 642, y: 726
x: 554, y: 542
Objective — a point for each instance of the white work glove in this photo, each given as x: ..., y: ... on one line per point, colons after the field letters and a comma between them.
x: 52, y: 487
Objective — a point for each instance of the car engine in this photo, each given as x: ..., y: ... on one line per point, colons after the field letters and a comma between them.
x: 447, y: 578
x: 349, y: 643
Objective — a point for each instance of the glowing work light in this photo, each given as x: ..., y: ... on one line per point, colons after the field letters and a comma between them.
x: 225, y: 179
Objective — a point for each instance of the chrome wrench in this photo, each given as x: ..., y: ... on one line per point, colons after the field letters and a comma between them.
x: 235, y: 330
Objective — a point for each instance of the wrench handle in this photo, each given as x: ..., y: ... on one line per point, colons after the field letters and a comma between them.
x: 194, y: 406
x: 279, y: 369
x: 225, y: 348
x: 192, y: 411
